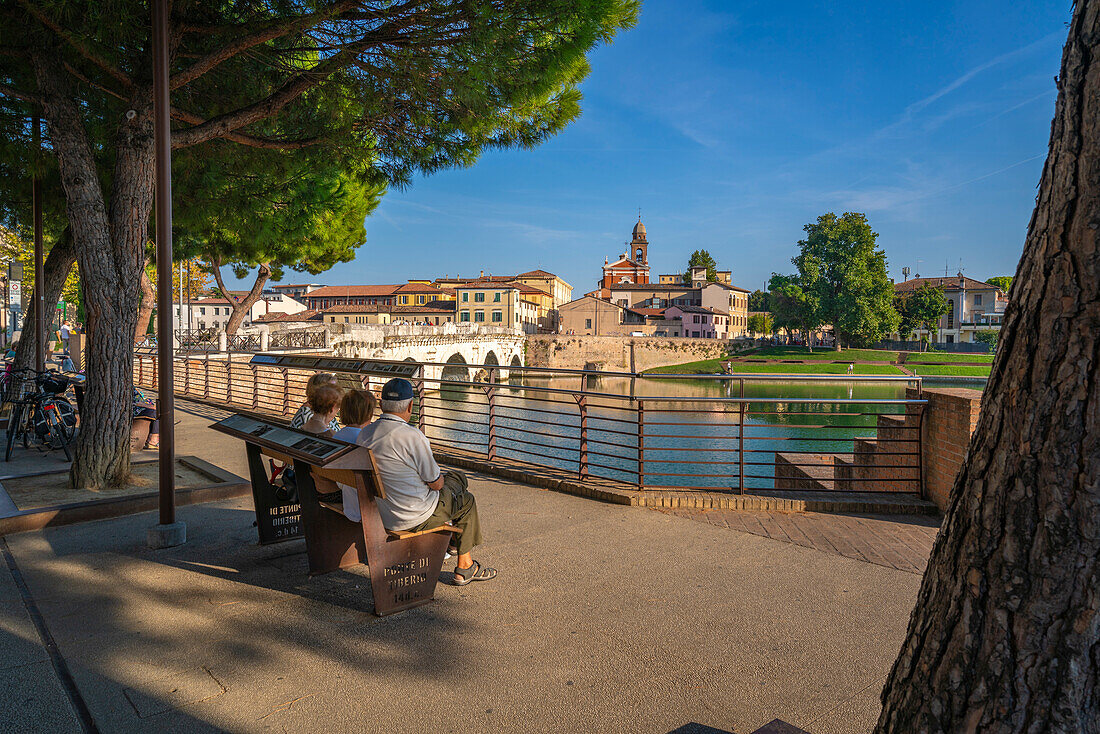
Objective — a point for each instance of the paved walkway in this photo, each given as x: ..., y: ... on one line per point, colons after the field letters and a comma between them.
x: 604, y: 618
x: 901, y: 542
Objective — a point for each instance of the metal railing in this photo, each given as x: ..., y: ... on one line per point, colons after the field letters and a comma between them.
x: 197, y: 340
x: 300, y: 339
x: 723, y: 434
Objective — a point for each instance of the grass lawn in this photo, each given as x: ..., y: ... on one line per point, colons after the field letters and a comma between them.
x: 711, y: 366
x: 950, y: 369
x: 947, y: 358
x: 825, y: 354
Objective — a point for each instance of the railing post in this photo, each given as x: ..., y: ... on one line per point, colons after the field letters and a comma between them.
x: 228, y: 379
x: 741, y: 447
x: 286, y: 391
x: 155, y: 380
x: 255, y: 386
x: 420, y: 395
x: 582, y: 403
x: 491, y: 393
x: 206, y: 376
x: 186, y: 376
x: 641, y: 444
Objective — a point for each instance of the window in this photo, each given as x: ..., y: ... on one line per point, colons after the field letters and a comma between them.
x: 479, y: 316
x: 498, y: 317
x: 695, y: 319
x: 588, y: 323
x: 202, y: 311
x: 345, y: 319
x: 479, y: 297
x: 420, y: 300
x: 465, y: 299
x: 465, y: 315
x: 978, y: 300
x: 496, y: 297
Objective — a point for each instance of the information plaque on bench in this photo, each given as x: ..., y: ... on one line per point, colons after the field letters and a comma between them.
x: 374, y: 367
x: 278, y: 506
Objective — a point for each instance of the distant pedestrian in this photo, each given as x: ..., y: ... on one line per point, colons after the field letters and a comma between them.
x: 851, y: 368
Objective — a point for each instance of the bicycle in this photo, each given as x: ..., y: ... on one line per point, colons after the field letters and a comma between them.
x: 44, y: 416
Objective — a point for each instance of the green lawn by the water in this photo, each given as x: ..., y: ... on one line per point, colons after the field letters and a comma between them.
x: 824, y: 354
x: 947, y: 358
x: 949, y: 369
x: 712, y: 366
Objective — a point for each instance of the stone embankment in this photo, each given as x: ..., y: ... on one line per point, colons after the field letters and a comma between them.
x: 622, y: 353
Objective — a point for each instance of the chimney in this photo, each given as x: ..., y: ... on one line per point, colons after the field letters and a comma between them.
x: 482, y: 274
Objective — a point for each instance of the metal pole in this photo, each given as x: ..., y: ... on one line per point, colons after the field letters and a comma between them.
x: 164, y: 536
x: 39, y: 294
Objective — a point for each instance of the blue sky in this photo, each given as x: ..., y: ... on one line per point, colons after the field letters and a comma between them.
x: 732, y: 125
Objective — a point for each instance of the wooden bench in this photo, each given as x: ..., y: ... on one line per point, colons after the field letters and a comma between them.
x: 404, y: 566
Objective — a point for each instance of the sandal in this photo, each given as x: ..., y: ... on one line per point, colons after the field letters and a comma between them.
x: 476, y: 572
x: 152, y: 445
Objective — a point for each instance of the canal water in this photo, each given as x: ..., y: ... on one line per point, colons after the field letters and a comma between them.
x: 691, y: 431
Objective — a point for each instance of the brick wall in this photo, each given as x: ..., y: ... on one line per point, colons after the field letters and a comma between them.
x: 949, y: 419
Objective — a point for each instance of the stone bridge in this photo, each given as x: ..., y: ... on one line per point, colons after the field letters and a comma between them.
x: 453, y: 345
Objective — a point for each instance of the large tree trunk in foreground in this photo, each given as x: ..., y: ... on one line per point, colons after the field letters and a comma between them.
x: 242, y: 307
x: 1005, y: 636
x: 109, y: 244
x: 55, y: 269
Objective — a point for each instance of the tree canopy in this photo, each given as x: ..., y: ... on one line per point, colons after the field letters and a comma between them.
x: 758, y: 301
x: 702, y: 258
x: 410, y: 87
x: 921, y: 309
x: 794, y: 308
x: 844, y: 272
x: 1001, y: 281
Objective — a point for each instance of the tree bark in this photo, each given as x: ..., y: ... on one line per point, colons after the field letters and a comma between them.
x: 55, y: 269
x: 109, y: 245
x: 1005, y: 636
x: 145, y: 309
x: 241, y: 308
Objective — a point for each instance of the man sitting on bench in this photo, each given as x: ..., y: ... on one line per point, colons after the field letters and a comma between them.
x: 418, y: 495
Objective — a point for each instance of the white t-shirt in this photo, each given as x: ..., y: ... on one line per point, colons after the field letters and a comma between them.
x: 64, y: 331
x: 406, y: 465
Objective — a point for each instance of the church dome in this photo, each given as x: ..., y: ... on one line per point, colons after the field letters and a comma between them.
x: 639, y: 230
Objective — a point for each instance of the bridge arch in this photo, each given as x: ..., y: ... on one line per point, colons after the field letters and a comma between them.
x: 455, y: 368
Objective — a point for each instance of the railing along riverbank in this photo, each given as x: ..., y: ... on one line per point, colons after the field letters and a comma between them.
x: 715, y: 433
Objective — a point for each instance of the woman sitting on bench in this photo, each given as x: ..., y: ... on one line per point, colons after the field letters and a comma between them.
x: 305, y: 412
x: 324, y: 403
x: 146, y: 410
x: 356, y: 411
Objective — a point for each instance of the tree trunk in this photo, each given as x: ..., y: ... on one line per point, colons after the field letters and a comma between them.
x: 110, y: 250
x: 244, y: 306
x: 147, y: 304
x: 55, y: 269
x: 1005, y: 636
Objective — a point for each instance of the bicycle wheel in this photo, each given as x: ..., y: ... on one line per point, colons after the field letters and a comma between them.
x: 15, y: 419
x: 58, y: 435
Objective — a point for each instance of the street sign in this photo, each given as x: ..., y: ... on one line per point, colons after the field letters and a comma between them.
x: 15, y: 295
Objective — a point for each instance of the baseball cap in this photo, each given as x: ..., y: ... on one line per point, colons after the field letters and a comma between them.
x: 397, y: 389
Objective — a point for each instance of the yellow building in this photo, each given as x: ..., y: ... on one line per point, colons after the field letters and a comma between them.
x: 420, y: 292
x: 502, y: 304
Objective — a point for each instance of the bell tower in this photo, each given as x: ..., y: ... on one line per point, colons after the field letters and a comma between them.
x: 639, y: 246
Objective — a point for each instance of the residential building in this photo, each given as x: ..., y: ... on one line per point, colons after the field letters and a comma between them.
x: 729, y: 300
x: 697, y: 322
x: 349, y: 313
x: 420, y: 292
x: 973, y: 306
x: 433, y: 313
x: 546, y: 290
x: 497, y: 303
x: 592, y: 316
x: 215, y: 312
x: 328, y: 296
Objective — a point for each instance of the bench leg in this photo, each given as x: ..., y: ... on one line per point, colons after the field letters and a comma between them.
x: 403, y: 573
